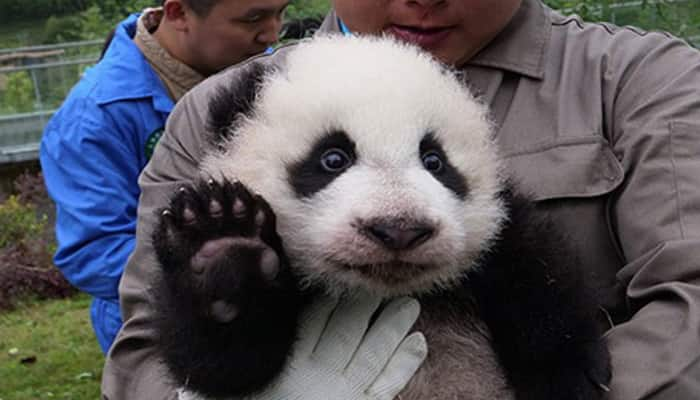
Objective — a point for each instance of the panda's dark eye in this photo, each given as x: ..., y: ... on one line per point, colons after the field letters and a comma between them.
x: 335, y: 160
x: 432, y: 162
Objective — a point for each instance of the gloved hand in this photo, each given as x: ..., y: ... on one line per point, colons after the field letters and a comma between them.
x: 339, y: 356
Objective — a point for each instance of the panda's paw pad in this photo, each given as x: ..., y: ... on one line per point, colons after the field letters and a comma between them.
x: 212, y: 225
x: 250, y: 259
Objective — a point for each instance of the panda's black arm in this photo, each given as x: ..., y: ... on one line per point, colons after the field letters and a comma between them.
x: 227, y: 302
x: 224, y: 359
x: 542, y: 317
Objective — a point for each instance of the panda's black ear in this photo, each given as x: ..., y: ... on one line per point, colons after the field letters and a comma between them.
x: 235, y: 100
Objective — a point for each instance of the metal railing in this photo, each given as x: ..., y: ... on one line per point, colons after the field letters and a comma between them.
x: 20, y: 135
x: 49, y: 71
x: 47, y: 47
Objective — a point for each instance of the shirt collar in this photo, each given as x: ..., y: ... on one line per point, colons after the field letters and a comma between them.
x: 521, y: 47
x: 127, y: 73
x: 330, y: 24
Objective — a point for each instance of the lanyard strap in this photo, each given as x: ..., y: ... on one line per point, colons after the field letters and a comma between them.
x: 344, y: 28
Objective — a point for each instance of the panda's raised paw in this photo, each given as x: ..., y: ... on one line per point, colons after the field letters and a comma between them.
x: 217, y: 242
x: 227, y: 301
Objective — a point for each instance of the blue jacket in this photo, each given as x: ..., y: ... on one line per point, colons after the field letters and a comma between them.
x: 92, y: 153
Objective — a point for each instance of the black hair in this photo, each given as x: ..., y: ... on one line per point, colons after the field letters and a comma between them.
x: 200, y: 7
x: 108, y: 41
x: 300, y: 28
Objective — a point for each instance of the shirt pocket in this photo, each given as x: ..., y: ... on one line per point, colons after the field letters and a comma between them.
x: 579, y: 167
x: 572, y: 180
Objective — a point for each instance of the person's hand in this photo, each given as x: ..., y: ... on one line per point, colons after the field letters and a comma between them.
x: 340, y: 356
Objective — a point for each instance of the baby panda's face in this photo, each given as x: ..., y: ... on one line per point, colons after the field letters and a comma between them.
x: 378, y: 164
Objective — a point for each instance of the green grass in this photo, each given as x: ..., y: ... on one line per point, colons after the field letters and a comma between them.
x: 58, y: 334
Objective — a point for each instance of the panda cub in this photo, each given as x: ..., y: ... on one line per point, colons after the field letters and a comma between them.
x: 363, y: 165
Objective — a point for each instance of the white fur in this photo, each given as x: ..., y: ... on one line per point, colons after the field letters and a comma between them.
x: 386, y: 96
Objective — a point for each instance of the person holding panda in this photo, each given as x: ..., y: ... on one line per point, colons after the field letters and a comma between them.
x: 598, y: 123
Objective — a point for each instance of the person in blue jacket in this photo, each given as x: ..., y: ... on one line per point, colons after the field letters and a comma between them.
x: 95, y: 146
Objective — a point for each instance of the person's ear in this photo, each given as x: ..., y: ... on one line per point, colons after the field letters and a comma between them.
x: 176, y: 13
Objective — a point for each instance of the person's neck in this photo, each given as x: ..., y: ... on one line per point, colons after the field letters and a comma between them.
x: 167, y: 37
x: 161, y: 51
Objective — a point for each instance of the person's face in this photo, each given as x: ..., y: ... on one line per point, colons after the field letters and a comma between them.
x: 232, y: 31
x: 452, y: 30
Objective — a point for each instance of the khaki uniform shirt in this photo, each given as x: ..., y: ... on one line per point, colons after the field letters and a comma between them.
x: 601, y: 124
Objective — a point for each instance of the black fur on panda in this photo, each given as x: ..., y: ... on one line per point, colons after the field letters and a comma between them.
x: 362, y: 165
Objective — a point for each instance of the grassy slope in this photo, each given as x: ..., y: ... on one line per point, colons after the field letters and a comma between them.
x: 68, y: 360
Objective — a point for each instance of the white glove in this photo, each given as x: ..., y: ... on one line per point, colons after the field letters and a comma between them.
x: 339, y: 356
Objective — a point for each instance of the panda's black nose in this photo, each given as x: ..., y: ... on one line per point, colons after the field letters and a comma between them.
x: 398, y: 235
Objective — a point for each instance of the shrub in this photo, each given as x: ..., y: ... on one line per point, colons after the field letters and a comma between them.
x: 19, y: 278
x: 18, y: 93
x: 27, y: 245
x: 30, y: 189
x: 300, y: 9
x: 18, y: 222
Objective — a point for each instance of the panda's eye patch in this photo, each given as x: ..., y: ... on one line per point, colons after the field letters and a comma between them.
x: 327, y: 159
x: 335, y: 160
x: 432, y: 162
x: 435, y: 161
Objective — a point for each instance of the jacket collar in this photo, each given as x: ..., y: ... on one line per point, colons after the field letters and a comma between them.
x: 521, y: 47
x: 125, y: 74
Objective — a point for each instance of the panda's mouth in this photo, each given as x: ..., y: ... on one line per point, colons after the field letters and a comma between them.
x: 390, y: 273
